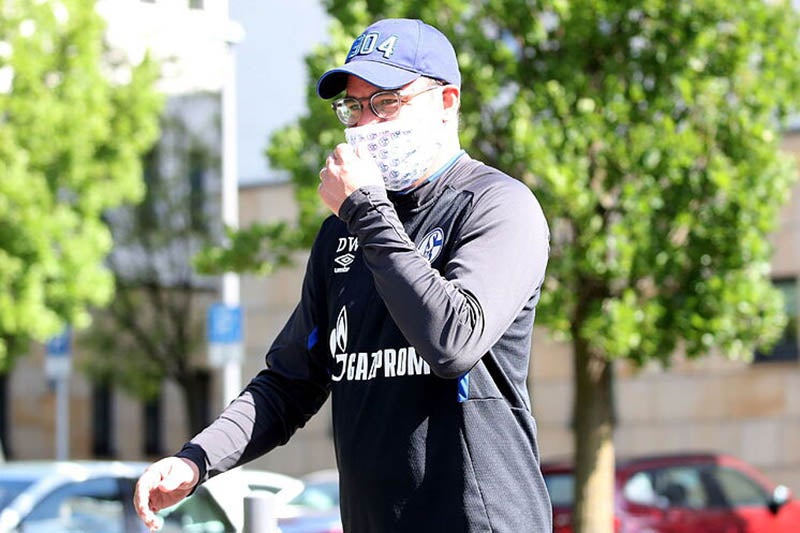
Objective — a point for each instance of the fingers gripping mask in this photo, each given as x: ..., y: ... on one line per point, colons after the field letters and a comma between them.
x: 402, y: 149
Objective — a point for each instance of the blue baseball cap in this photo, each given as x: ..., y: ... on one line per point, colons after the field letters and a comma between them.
x: 392, y: 53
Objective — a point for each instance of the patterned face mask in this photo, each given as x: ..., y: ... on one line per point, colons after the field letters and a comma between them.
x: 403, y: 149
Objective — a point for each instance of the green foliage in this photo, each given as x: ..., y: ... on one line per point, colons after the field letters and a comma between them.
x: 660, y: 170
x: 258, y: 248
x: 70, y: 144
x: 649, y: 130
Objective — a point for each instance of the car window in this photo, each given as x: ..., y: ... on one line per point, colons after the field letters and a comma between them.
x: 561, y: 488
x: 319, y: 496
x: 10, y: 489
x: 91, y: 506
x: 262, y: 487
x: 680, y: 486
x: 639, y: 489
x: 738, y: 489
x: 199, y: 513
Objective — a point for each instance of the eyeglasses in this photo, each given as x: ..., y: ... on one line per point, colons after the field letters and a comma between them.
x: 384, y: 104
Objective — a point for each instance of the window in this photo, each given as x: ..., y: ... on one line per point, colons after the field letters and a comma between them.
x: 200, y: 513
x: 739, y: 490
x: 324, y: 496
x: 147, y: 210
x: 561, y: 488
x: 102, y: 421
x: 681, y: 487
x: 90, y: 506
x: 787, y: 347
x: 152, y: 426
x: 201, y: 409
x: 5, y: 404
x: 11, y: 488
x: 197, y: 190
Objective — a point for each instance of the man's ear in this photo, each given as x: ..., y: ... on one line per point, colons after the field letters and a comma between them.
x: 451, y: 101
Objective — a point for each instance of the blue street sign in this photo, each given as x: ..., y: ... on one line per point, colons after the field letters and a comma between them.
x: 224, y: 324
x: 58, y: 356
x: 60, y: 345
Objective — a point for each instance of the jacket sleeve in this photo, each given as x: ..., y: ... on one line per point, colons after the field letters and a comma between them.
x: 278, y: 400
x: 496, y: 266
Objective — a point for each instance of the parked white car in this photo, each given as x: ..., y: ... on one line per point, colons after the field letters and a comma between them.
x: 97, y: 497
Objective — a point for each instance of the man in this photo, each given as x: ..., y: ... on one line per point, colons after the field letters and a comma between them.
x: 416, y: 315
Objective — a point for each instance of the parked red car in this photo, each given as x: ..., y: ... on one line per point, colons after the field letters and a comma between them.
x: 684, y: 493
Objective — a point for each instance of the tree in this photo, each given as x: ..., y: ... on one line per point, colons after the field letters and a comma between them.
x: 650, y: 131
x: 74, y: 123
x: 154, y: 328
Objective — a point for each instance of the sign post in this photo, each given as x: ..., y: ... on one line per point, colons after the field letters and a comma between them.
x: 225, y: 341
x: 232, y: 371
x: 58, y: 366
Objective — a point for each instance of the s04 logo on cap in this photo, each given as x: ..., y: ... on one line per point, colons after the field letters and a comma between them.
x: 368, y: 43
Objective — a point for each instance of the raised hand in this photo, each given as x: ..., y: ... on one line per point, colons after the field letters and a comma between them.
x: 344, y: 172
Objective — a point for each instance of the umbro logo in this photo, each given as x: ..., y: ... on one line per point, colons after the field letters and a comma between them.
x: 344, y: 262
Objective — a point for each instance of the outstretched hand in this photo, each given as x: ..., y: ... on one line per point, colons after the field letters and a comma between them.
x: 163, y: 484
x: 345, y: 171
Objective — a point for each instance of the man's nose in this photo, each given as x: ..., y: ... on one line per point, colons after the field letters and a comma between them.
x: 367, y: 116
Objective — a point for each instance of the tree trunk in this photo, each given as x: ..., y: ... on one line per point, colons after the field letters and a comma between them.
x: 594, y: 444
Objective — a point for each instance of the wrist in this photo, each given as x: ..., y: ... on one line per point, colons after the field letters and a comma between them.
x: 195, y: 456
x: 361, y: 200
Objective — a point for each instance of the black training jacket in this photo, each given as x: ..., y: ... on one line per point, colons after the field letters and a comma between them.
x: 416, y: 316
